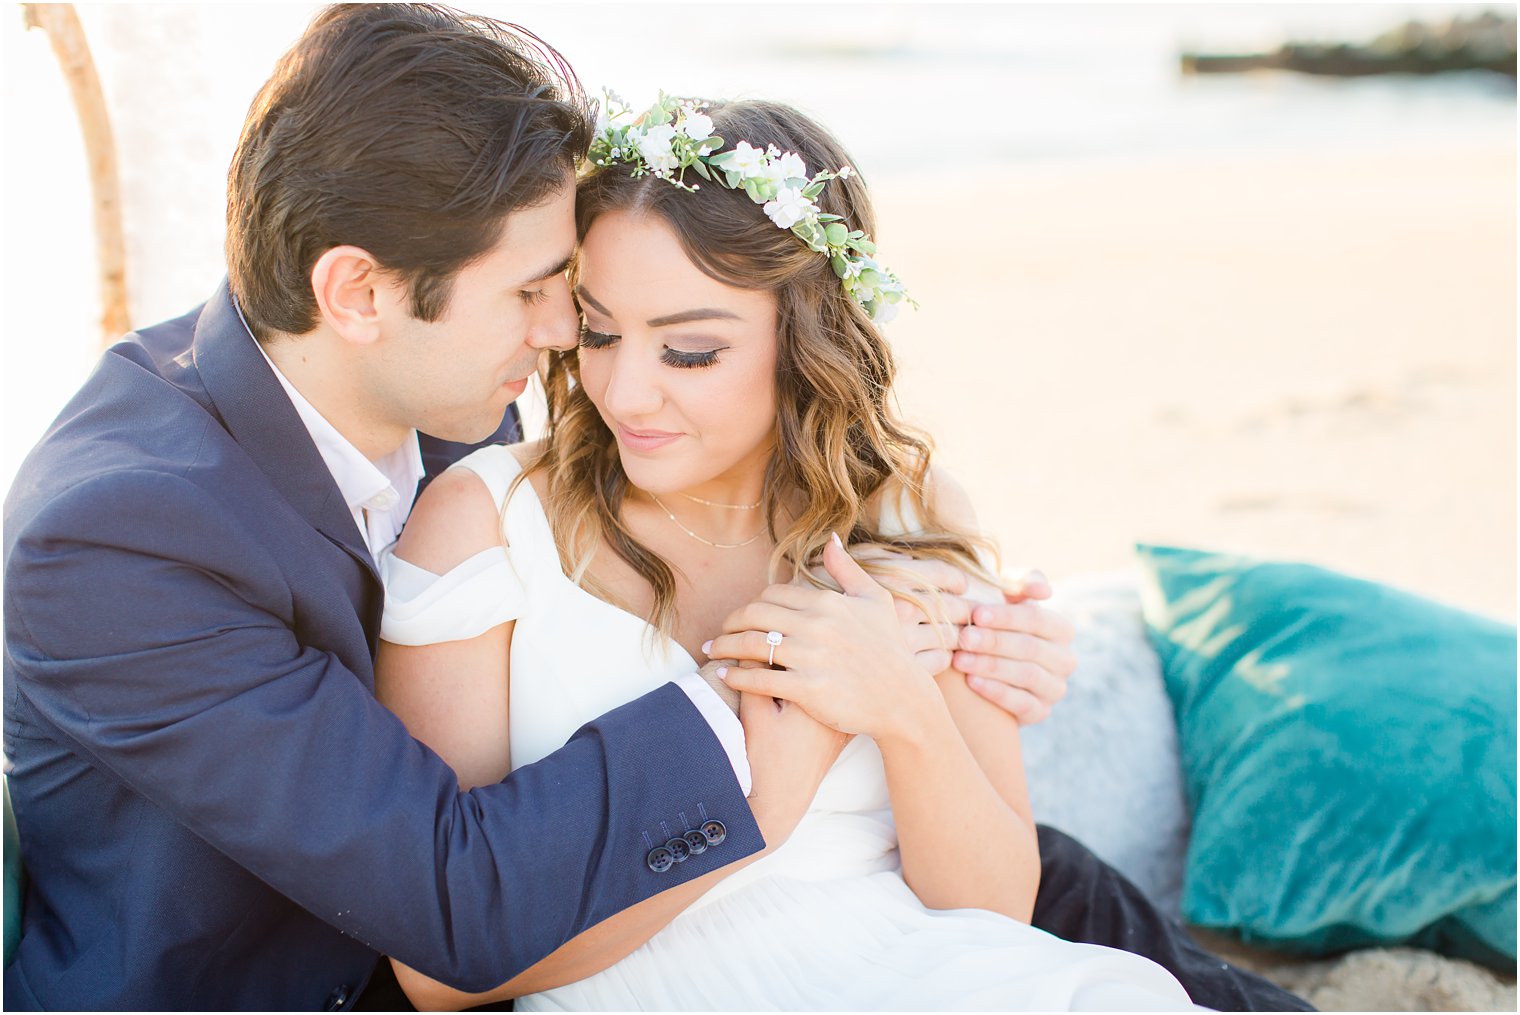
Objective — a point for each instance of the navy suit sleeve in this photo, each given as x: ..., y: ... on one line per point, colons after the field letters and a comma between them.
x: 149, y: 634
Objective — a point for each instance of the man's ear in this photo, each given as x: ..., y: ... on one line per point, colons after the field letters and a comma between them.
x: 347, y: 282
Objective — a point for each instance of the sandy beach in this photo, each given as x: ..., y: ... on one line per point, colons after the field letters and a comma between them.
x: 1305, y: 356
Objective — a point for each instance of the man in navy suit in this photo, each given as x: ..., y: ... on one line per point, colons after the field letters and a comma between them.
x: 214, y: 810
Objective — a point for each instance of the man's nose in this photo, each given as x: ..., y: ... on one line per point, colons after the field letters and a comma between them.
x: 556, y: 325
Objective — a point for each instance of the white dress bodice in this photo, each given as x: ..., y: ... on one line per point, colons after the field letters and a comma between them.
x: 825, y: 921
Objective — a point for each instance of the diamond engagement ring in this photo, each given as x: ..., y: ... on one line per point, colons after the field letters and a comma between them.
x: 772, y: 639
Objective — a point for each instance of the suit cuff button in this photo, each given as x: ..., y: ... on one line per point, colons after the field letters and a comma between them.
x: 714, y: 832
x: 660, y: 859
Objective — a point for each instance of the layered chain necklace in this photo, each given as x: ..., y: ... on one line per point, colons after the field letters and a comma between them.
x: 702, y: 539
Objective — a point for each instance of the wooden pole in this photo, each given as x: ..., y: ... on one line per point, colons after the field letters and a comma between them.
x: 66, y: 35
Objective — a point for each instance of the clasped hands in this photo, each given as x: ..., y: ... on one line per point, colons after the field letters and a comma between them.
x: 1012, y: 650
x: 862, y: 661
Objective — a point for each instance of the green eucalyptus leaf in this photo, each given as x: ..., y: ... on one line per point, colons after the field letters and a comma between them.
x: 840, y: 267
x: 836, y: 234
x: 701, y: 169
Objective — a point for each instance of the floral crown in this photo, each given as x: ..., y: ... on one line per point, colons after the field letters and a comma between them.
x: 671, y: 137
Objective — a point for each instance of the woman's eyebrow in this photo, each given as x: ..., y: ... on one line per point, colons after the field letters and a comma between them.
x: 585, y: 297
x: 683, y: 317
x: 703, y: 314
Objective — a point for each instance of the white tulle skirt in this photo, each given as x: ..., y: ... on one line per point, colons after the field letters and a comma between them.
x: 861, y: 943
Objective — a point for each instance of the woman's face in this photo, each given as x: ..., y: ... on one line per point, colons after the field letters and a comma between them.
x: 681, y: 367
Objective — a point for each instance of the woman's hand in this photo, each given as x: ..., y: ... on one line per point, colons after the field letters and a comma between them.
x: 842, y: 657
x: 1013, y: 650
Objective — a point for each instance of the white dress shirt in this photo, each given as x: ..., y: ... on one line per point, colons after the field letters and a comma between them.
x: 380, y: 494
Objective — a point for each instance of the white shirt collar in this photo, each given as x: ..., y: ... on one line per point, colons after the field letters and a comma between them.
x: 379, y: 494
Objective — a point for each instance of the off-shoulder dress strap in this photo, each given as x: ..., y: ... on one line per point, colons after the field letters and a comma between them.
x: 489, y: 588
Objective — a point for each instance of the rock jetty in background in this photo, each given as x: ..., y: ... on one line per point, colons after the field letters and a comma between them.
x: 1484, y: 41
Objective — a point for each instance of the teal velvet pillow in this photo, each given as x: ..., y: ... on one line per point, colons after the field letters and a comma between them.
x: 1349, y: 751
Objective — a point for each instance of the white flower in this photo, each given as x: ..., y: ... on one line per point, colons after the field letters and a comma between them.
x: 697, y: 126
x: 792, y: 167
x: 745, y: 160
x: 883, y: 312
x: 786, y: 167
x: 789, y: 207
x: 655, y: 147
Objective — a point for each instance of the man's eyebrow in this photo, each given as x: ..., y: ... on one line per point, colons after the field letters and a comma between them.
x: 702, y: 314
x: 558, y: 269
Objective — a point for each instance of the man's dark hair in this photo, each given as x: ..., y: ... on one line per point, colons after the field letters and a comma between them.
x: 410, y: 130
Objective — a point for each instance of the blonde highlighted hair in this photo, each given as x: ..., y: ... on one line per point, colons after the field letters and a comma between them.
x: 839, y: 442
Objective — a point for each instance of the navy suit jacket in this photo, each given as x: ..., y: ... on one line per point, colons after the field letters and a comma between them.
x: 215, y: 812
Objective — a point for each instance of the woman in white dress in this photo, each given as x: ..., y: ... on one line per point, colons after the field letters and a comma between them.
x: 728, y: 410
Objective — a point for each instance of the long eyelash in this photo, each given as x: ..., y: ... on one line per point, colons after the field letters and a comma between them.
x: 532, y: 295
x: 670, y: 357
x: 689, y: 360
x: 596, y: 339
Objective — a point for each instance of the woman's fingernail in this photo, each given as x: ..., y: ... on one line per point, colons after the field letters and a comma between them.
x: 722, y: 672
x: 837, y: 541
x: 706, y: 647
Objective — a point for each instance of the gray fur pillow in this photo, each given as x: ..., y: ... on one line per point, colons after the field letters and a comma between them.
x: 1104, y: 767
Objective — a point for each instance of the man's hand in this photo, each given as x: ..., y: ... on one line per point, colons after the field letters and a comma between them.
x: 1017, y: 653
x: 709, y: 672
x: 789, y: 754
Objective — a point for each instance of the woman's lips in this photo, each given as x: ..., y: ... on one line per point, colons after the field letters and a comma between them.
x: 644, y: 440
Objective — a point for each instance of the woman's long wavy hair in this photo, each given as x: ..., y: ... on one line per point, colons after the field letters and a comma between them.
x: 838, y: 440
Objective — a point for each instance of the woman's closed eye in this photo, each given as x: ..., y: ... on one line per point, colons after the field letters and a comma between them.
x: 677, y: 358
x: 689, y: 360
x: 596, y: 339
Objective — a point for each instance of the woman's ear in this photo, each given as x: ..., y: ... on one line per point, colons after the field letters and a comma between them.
x: 345, y: 281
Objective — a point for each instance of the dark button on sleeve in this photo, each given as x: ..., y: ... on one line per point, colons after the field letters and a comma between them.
x: 679, y: 849
x: 695, y: 841
x: 338, y: 998
x: 660, y: 859
x: 714, y: 832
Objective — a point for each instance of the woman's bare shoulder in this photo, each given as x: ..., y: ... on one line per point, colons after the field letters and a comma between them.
x: 946, y: 499
x: 454, y: 519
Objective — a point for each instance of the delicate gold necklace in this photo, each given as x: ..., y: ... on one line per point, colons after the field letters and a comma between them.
x: 713, y: 503
x: 700, y: 539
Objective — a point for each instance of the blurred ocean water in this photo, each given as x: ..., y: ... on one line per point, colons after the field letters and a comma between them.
x: 924, y: 91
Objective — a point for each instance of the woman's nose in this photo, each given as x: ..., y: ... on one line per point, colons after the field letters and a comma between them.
x: 632, y: 391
